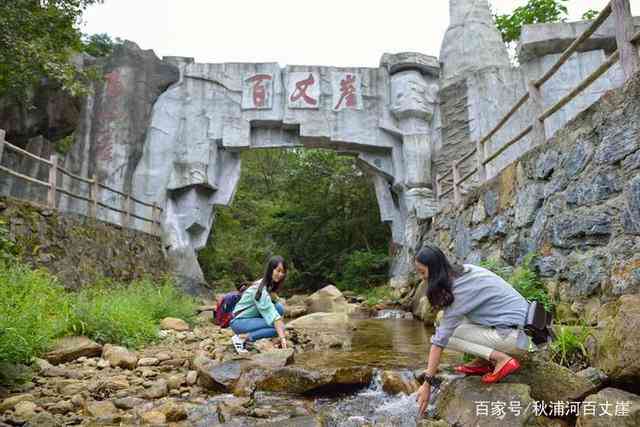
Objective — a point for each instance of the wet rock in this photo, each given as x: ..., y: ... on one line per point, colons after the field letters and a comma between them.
x: 71, y: 348
x: 218, y: 377
x: 327, y: 300
x: 120, y: 357
x: 615, y: 402
x: 174, y: 324
x: 154, y: 418
x: 158, y: 390
x: 399, y: 382
x: 148, y: 361
x: 246, y: 385
x: 299, y: 380
x: 457, y: 403
x: 11, y: 402
x: 549, y: 381
x: 127, y: 403
x: 618, y: 353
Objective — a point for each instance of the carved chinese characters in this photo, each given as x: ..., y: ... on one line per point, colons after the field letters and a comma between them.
x: 346, y: 91
x: 303, y: 90
x: 257, y: 92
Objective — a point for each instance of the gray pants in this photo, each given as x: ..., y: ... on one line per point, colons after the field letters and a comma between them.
x: 481, y: 340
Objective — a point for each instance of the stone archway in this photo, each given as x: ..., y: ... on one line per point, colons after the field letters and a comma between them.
x: 199, y: 126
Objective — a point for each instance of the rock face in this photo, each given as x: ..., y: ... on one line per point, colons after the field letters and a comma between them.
x: 70, y: 348
x: 459, y: 404
x: 573, y: 201
x: 326, y: 330
x: 399, y: 382
x: 610, y: 408
x: 327, y: 300
x: 618, y: 353
x: 565, y: 386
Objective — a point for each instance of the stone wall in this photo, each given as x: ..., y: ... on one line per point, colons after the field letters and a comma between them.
x: 575, y: 201
x: 79, y: 250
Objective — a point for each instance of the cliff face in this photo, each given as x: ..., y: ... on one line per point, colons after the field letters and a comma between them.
x: 78, y: 250
x: 574, y: 201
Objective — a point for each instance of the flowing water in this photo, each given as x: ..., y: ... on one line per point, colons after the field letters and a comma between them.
x: 389, y: 342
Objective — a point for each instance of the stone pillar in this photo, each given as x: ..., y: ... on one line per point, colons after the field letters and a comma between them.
x: 414, y: 91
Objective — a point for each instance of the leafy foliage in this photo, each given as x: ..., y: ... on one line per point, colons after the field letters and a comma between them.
x: 568, y: 348
x: 534, y: 12
x: 38, y: 39
x: 35, y: 309
x: 314, y: 207
x: 523, y: 278
x: 7, y: 246
x: 128, y: 314
x: 99, y: 45
x: 590, y: 14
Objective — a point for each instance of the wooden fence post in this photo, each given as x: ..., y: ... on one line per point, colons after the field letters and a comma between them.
x: 93, y: 211
x: 457, y: 195
x: 624, y: 33
x: 539, y: 135
x: 155, y: 216
x: 481, y: 155
x: 126, y: 222
x: 2, y: 134
x: 53, y: 181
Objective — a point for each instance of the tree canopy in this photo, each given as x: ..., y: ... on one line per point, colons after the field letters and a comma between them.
x: 37, y: 40
x: 534, y: 12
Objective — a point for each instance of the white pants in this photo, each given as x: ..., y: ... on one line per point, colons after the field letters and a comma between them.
x: 481, y: 340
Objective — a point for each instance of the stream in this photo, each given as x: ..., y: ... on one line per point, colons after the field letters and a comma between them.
x: 392, y: 341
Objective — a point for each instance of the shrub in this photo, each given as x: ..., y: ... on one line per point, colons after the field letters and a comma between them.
x: 128, y: 314
x: 364, y: 269
x: 378, y: 295
x: 34, y: 309
x: 7, y: 246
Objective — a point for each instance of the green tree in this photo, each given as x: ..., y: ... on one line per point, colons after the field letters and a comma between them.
x: 37, y: 40
x: 590, y: 14
x: 99, y: 45
x: 534, y: 12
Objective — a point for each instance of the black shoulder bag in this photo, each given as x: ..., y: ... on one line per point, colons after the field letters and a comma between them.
x: 538, y: 324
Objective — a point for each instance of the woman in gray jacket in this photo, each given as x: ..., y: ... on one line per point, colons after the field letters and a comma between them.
x: 483, y: 315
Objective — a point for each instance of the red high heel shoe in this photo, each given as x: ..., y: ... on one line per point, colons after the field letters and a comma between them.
x: 510, y: 367
x: 473, y: 370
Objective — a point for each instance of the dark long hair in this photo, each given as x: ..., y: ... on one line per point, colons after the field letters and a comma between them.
x: 267, y: 279
x: 441, y: 276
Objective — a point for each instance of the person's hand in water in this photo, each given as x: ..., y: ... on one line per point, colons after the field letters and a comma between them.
x: 424, y: 392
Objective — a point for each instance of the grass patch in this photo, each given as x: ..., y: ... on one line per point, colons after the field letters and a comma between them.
x: 128, y: 314
x: 35, y: 309
x: 568, y: 349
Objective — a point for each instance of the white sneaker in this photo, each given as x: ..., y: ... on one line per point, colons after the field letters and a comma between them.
x: 238, y: 344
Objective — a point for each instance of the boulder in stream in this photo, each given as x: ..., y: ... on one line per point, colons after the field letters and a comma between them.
x: 614, y: 401
x: 298, y: 380
x: 327, y: 300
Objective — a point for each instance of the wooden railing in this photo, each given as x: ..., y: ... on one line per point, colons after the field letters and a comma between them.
x: 626, y: 53
x: 127, y: 213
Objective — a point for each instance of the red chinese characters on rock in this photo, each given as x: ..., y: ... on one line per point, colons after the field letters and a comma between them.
x: 347, y: 92
x: 259, y: 89
x: 301, y: 91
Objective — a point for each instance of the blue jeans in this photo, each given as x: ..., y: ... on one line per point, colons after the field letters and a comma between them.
x: 256, y: 327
